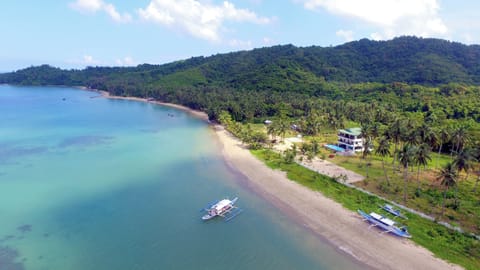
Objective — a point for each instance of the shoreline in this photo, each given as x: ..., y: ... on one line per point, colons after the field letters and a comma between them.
x: 343, y: 229
x: 325, y: 218
x: 198, y: 114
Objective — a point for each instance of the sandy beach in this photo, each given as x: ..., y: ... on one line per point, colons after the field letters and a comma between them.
x: 326, y: 218
x: 197, y: 114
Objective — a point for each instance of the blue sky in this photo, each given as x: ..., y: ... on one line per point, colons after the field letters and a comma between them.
x: 79, y: 33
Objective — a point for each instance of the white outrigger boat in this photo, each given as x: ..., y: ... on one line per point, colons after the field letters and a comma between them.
x: 386, y: 224
x: 224, y: 208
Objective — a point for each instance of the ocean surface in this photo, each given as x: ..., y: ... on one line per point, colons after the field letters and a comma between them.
x: 94, y: 183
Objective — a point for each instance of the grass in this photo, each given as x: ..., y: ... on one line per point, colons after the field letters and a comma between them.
x: 428, y: 198
x: 449, y: 245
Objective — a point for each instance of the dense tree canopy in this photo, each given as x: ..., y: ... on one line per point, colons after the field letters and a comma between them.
x: 407, y: 74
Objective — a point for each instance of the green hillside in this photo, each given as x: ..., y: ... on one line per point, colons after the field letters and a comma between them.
x: 408, y: 74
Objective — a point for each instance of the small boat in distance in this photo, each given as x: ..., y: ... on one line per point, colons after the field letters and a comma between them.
x: 389, y: 208
x: 224, y: 208
x: 386, y: 224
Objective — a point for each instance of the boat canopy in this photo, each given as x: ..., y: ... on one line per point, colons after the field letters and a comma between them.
x: 221, y: 204
x: 386, y: 221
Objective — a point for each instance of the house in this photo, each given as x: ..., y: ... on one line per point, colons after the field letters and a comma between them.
x: 351, y: 139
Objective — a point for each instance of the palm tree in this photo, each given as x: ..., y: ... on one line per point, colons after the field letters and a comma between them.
x: 459, y: 138
x: 444, y: 136
x: 429, y: 136
x: 282, y: 126
x: 367, y: 142
x: 464, y: 161
x: 383, y: 150
x: 394, y: 132
x: 312, y: 123
x: 448, y: 178
x: 272, y: 131
x: 367, y: 145
x: 315, y: 147
x: 411, y: 137
x: 405, y: 158
x: 421, y: 158
x: 375, y: 130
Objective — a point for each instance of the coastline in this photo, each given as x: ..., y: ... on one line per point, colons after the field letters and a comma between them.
x: 198, y: 114
x: 326, y: 218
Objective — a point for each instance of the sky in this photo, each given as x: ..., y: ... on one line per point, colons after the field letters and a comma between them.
x: 80, y: 33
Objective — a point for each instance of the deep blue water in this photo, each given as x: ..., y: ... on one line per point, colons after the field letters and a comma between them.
x: 93, y: 183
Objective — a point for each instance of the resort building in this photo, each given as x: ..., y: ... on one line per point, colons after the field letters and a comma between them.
x: 351, y: 139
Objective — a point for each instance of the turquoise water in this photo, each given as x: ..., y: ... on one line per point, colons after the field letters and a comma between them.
x: 93, y: 183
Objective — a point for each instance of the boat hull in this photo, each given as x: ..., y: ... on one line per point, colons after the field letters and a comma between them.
x: 208, y: 216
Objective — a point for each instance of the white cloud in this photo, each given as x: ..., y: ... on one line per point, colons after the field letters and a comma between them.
x: 87, y: 5
x: 393, y: 17
x: 241, y: 44
x: 93, y: 6
x: 266, y: 41
x: 89, y: 60
x: 200, y: 19
x: 126, y: 61
x: 347, y: 35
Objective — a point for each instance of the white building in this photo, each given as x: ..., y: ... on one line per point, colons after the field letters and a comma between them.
x: 351, y: 139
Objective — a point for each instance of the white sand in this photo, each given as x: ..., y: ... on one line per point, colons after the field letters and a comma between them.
x: 327, y: 168
x: 194, y: 113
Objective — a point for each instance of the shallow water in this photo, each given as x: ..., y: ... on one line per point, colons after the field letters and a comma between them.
x: 93, y: 183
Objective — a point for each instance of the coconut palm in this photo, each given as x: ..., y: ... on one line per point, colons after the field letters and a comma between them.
x: 312, y: 124
x: 394, y: 132
x: 447, y: 178
x: 315, y: 147
x: 429, y: 136
x: 411, y: 137
x: 367, y: 145
x: 272, y: 131
x: 464, y: 161
x: 405, y: 158
x: 443, y: 136
x: 421, y: 158
x: 459, y: 138
x: 383, y: 150
x: 282, y: 126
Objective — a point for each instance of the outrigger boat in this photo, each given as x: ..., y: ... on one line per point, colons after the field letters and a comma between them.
x: 386, y: 224
x: 224, y: 208
x: 389, y: 208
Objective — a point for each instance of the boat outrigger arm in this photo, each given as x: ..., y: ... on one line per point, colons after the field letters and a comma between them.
x: 224, y: 208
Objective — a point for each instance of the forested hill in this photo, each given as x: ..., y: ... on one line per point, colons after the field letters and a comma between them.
x: 285, y: 68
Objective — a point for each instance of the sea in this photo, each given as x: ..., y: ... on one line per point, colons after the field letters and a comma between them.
x: 93, y: 183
